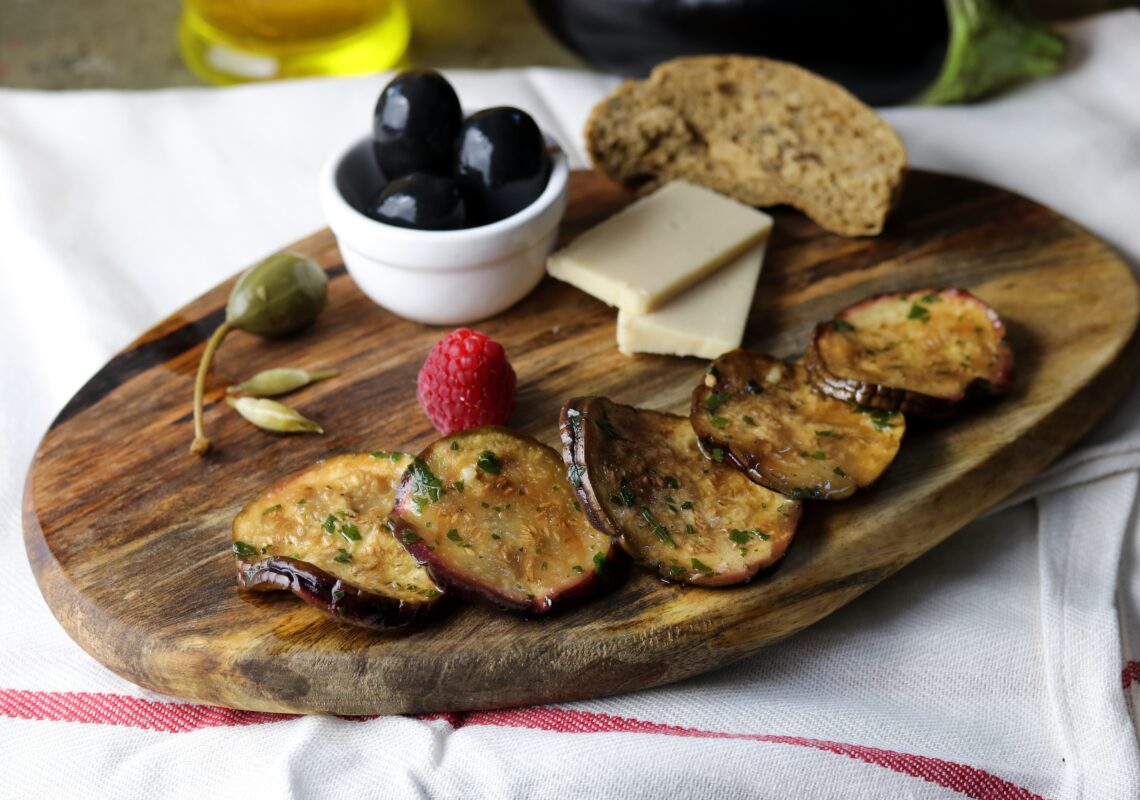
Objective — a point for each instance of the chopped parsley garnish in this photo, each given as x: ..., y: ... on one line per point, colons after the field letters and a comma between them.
x: 839, y: 471
x: 455, y: 445
x: 244, y: 550
x: 700, y: 566
x: 426, y: 487
x: 919, y: 313
x: 819, y: 455
x: 343, y: 556
x: 454, y: 536
x: 672, y: 482
x: 574, y: 474
x: 379, y: 453
x: 601, y: 563
x: 496, y: 536
x: 625, y: 496
x: 329, y: 524
x: 715, y: 400
x: 676, y: 572
x: 929, y: 298
x: 410, y: 537
x: 577, y: 569
x: 457, y: 486
x: 687, y: 505
x: 271, y: 509
x: 805, y: 493
x: 881, y: 419
x: 753, y: 387
x: 745, y: 536
x: 577, y: 505
x: 747, y: 420
x: 825, y: 433
x: 718, y: 454
x: 659, y: 530
x: 338, y: 594
x: 575, y: 417
x: 606, y: 427
x: 350, y: 532
x: 489, y: 462
x: 302, y: 501
x: 718, y: 422
x: 841, y: 325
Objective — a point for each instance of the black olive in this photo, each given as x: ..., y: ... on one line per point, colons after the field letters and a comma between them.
x: 415, y: 124
x: 419, y: 200
x: 502, y: 165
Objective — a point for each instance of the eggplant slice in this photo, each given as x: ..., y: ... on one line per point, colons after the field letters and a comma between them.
x: 920, y: 352
x: 760, y: 414
x: 643, y: 479
x: 323, y: 534
x: 491, y: 515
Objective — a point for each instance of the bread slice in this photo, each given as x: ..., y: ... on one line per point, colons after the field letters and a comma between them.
x: 762, y: 131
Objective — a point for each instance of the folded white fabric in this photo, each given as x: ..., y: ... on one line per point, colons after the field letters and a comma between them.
x: 1005, y: 663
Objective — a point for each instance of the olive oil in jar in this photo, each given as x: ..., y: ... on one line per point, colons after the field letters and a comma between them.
x: 234, y: 41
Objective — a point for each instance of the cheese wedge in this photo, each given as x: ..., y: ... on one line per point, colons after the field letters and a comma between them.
x: 659, y: 246
x: 706, y: 321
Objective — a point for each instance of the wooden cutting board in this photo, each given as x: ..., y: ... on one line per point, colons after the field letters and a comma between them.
x: 129, y: 535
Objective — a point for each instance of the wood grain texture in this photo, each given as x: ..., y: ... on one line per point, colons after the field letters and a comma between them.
x: 128, y: 535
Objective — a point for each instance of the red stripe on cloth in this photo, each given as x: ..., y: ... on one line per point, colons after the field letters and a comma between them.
x: 963, y: 778
x: 1130, y: 674
x: 101, y: 708
x: 114, y: 709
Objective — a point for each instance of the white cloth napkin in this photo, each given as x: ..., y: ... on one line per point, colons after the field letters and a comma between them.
x: 1005, y: 663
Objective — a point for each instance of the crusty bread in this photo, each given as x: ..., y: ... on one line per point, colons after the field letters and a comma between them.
x: 762, y: 131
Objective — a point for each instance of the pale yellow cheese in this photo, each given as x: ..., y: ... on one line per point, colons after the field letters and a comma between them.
x: 705, y: 321
x: 660, y: 245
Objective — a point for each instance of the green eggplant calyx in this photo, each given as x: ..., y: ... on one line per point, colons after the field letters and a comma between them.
x: 993, y: 45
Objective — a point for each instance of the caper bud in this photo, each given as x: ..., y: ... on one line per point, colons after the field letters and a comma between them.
x: 282, y: 294
x: 278, y: 296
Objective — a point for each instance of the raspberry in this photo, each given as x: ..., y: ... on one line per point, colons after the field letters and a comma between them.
x: 466, y: 381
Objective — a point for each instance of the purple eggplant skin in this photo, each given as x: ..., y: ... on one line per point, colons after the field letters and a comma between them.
x: 340, y: 600
x: 884, y: 51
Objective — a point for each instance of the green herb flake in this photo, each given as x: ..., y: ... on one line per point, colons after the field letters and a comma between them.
x: 350, y: 532
x: 919, y: 313
x: 715, y: 400
x: 672, y: 482
x: 343, y: 556
x: 575, y: 417
x: 841, y: 325
x: 454, y: 536
x: 577, y: 505
x: 718, y: 455
x: 244, y: 550
x: 676, y: 572
x: 839, y: 471
x: 688, y: 504
x: 302, y: 501
x: 701, y: 566
x: 718, y: 422
x: 574, y: 474
x: 828, y: 433
x: 455, y: 445
x: 338, y: 594
x: 745, y: 536
x: 659, y: 530
x: 577, y: 569
x: 379, y: 453
x: 410, y: 537
x: 819, y: 455
x: 747, y: 420
x: 688, y: 529
x: 395, y: 458
x: 426, y: 487
x: 489, y: 462
x: 271, y: 509
x: 457, y: 486
x: 601, y: 563
x: 929, y: 298
x: 882, y: 420
x: 329, y: 524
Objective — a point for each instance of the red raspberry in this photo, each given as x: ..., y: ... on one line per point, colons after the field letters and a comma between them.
x: 466, y: 381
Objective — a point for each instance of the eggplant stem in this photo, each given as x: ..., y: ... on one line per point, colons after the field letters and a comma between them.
x: 993, y: 44
x: 201, y: 444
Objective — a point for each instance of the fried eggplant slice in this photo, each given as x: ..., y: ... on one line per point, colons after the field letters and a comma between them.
x: 643, y: 479
x: 492, y: 516
x: 323, y: 534
x: 921, y: 352
x: 759, y: 414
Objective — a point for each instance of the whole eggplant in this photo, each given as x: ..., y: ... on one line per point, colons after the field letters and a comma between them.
x: 884, y: 51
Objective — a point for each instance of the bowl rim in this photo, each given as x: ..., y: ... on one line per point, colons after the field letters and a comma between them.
x: 336, y: 205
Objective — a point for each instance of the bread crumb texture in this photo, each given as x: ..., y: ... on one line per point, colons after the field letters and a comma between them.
x: 764, y: 132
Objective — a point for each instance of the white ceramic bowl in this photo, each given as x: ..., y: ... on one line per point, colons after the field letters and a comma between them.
x: 439, y: 277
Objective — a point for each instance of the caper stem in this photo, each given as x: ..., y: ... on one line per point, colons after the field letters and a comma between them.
x: 201, y: 444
